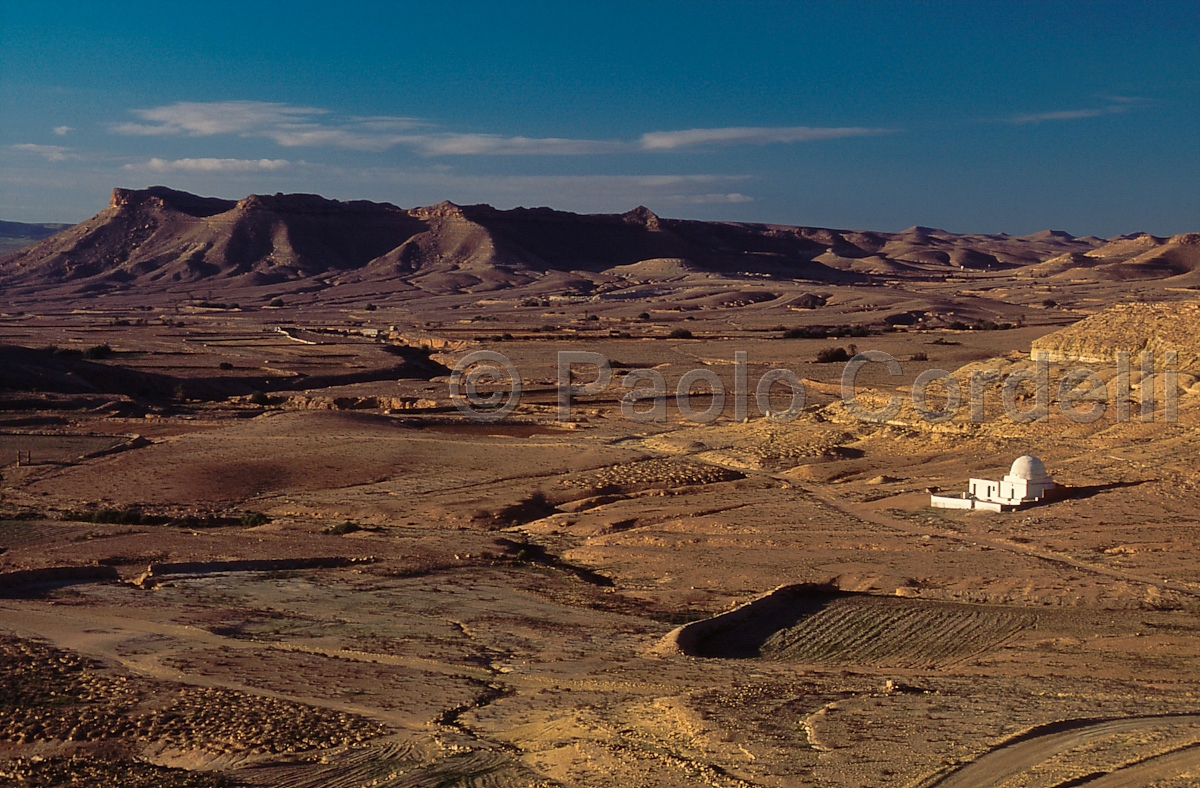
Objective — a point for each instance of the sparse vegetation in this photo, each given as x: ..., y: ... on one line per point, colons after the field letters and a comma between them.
x: 831, y: 355
x: 983, y: 325
x: 134, y: 515
x: 826, y: 332
x: 130, y: 515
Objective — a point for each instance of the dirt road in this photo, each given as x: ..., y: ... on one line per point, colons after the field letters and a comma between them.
x: 1024, y: 753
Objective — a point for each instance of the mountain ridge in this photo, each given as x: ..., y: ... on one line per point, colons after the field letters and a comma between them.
x: 167, y: 240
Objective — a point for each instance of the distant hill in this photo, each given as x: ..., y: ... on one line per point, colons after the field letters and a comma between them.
x: 1126, y: 257
x: 160, y: 240
x: 14, y: 235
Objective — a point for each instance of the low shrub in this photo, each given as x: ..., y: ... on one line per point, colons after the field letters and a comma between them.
x: 831, y: 355
x: 826, y: 332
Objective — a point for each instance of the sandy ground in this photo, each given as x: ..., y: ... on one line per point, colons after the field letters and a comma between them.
x: 455, y: 603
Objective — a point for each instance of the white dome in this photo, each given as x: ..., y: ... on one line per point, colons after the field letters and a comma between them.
x: 1028, y: 467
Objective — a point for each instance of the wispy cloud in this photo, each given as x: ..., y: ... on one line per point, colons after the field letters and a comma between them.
x: 584, y: 193
x: 749, y: 135
x: 1116, y: 106
x: 293, y: 126
x: 497, y: 145
x: 287, y: 125
x: 202, y: 119
x: 48, y: 152
x: 209, y: 165
x: 732, y: 198
x: 62, y: 130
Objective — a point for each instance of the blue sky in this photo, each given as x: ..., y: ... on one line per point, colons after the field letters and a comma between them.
x: 974, y: 117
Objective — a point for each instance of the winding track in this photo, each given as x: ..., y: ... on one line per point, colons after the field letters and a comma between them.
x: 1003, y: 763
x: 1160, y: 767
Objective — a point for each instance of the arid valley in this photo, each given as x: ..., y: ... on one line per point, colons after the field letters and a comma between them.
x: 247, y: 537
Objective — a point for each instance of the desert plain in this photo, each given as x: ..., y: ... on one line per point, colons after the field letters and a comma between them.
x: 249, y: 539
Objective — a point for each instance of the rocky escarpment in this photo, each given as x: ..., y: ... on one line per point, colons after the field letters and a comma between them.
x: 1158, y: 327
x: 160, y: 240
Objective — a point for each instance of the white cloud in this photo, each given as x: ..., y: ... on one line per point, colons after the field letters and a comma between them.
x: 62, y: 130
x: 285, y: 124
x: 294, y: 126
x: 1116, y: 106
x: 48, y: 152
x: 211, y: 165
x: 732, y: 198
x: 497, y: 145
x: 601, y: 185
x: 1069, y: 114
x: 748, y: 135
x: 201, y: 119
x: 584, y: 193
x: 312, y: 135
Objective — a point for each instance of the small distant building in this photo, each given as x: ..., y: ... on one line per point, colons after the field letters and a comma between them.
x: 1026, y: 484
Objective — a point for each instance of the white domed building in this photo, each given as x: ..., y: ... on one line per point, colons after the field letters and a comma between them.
x: 1026, y: 484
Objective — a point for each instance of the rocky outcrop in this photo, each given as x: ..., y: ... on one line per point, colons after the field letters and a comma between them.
x: 303, y: 402
x: 1132, y: 328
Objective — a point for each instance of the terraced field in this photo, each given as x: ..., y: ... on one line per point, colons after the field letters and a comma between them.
x: 894, y: 632
x: 863, y: 629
